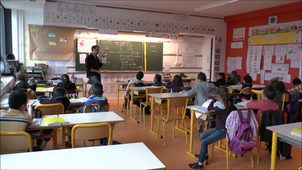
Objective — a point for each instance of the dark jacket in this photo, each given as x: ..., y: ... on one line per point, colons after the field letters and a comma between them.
x: 294, y: 107
x: 92, y: 62
x: 220, y: 82
x: 59, y: 99
x: 244, y: 85
x: 270, y: 118
x: 233, y: 80
x: 23, y: 86
x: 71, y: 89
x: 157, y: 84
x: 221, y: 115
x: 278, y: 99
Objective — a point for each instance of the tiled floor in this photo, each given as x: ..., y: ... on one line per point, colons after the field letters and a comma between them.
x: 173, y: 155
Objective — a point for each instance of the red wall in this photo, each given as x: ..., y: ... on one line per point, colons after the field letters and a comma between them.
x: 285, y: 13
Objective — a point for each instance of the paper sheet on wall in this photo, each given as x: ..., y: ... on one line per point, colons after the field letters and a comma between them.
x: 262, y: 76
x: 230, y: 69
x: 280, y: 68
x: 280, y: 58
x: 295, y: 63
x: 280, y: 50
x: 238, y: 62
x: 231, y: 61
x: 239, y: 34
x: 267, y: 63
x: 268, y: 50
x: 236, y: 45
x: 253, y: 61
x: 82, y: 58
x: 268, y: 76
x: 293, y: 51
x: 254, y: 76
x: 167, y: 66
x: 84, y: 45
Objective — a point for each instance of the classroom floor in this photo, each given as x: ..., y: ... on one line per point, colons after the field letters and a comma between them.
x: 173, y: 156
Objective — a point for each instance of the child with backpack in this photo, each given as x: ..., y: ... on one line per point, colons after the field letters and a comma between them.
x: 222, y: 109
x: 97, y: 97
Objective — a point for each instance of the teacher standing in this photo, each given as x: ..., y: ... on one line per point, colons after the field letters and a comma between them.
x: 93, y: 64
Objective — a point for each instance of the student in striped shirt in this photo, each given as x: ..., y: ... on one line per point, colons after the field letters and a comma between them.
x: 15, y: 118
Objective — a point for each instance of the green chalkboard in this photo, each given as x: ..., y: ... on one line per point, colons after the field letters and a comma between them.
x: 125, y: 55
x: 154, y: 55
x: 121, y: 55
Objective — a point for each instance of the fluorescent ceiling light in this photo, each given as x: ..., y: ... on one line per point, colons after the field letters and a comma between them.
x: 214, y: 5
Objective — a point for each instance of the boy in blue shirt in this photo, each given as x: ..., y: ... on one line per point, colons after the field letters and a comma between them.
x: 97, y: 97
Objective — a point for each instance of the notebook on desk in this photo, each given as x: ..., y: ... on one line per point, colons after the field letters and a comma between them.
x: 203, y: 108
x: 56, y: 120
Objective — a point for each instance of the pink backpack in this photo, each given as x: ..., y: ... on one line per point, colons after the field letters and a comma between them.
x: 242, y: 142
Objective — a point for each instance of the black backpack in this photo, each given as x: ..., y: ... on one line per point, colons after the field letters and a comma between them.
x: 96, y: 108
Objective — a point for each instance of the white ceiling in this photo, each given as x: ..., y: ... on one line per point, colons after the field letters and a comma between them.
x: 175, y: 6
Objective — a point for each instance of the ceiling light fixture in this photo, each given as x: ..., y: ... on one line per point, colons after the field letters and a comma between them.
x: 214, y: 5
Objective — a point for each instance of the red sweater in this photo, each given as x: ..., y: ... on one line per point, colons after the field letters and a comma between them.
x: 262, y: 105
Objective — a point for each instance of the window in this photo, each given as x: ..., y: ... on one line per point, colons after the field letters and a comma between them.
x: 2, y: 32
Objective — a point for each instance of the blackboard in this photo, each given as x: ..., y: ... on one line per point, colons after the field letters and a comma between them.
x: 154, y: 56
x: 121, y: 55
x: 127, y: 55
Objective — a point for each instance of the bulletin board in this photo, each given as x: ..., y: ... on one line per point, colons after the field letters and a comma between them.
x: 50, y: 43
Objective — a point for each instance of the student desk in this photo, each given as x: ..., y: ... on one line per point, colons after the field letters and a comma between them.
x: 138, y: 92
x: 123, y: 156
x: 258, y: 86
x: 121, y: 86
x: 283, y: 132
x: 79, y: 118
x: 194, y: 120
x: 4, y: 101
x: 158, y: 98
x: 82, y: 85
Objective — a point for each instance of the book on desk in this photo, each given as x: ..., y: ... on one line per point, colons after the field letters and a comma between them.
x: 55, y: 120
x: 296, y: 131
x: 203, y: 109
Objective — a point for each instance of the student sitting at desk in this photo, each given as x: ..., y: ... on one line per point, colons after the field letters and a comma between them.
x: 298, y: 87
x: 223, y: 108
x: 267, y: 103
x: 96, y: 97
x: 21, y: 84
x: 137, y: 82
x: 220, y: 80
x: 202, y: 90
x: 247, y: 82
x: 176, y: 82
x: 280, y: 90
x: 59, y: 96
x: 233, y: 78
x: 157, y: 80
x: 15, y: 118
x: 67, y: 85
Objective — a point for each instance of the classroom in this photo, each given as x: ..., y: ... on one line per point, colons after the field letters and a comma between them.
x: 151, y: 84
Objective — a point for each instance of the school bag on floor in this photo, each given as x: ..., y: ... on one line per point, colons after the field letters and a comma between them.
x: 242, y: 143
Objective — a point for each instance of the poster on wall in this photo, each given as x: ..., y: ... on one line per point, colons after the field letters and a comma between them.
x: 280, y: 68
x: 253, y: 61
x: 239, y: 34
x: 84, y: 45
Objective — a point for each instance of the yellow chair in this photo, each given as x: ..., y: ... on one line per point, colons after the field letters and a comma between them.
x: 29, y: 96
x: 178, y: 103
x: 15, y: 142
x: 91, y: 132
x: 50, y: 109
x: 147, y: 103
x: 239, y: 83
x: 285, y: 99
x: 127, y: 96
x: 106, y: 107
x: 246, y: 91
